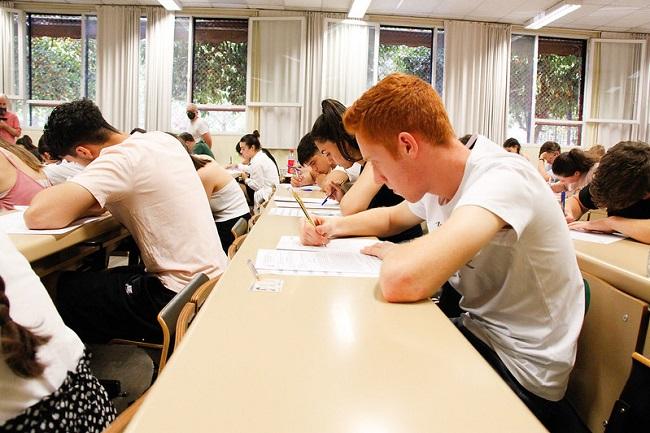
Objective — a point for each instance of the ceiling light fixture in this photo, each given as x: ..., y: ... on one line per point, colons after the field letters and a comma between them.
x: 170, y: 5
x: 358, y: 8
x: 555, y: 12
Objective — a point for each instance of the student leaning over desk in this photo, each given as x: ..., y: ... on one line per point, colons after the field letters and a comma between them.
x: 148, y: 183
x: 523, y: 296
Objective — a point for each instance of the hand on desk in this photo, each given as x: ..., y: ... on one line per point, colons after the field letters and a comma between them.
x: 379, y: 250
x: 318, y: 234
x: 334, y: 190
x: 599, y: 226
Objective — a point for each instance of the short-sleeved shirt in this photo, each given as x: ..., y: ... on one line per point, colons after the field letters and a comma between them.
x: 200, y: 148
x: 523, y: 293
x: 149, y: 184
x: 639, y: 210
x: 198, y: 127
x: 12, y: 120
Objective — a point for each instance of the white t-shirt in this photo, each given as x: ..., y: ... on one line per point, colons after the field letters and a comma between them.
x: 198, y: 127
x: 229, y: 202
x: 60, y: 172
x: 523, y: 292
x: 32, y: 307
x: 263, y: 175
x: 149, y: 184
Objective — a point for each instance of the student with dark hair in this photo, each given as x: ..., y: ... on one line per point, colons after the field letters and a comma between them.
x: 140, y: 130
x: 148, y: 183
x: 336, y: 143
x: 574, y: 169
x: 547, y: 154
x: 26, y: 142
x: 45, y: 382
x: 227, y: 200
x: 622, y: 185
x: 193, y: 147
x: 56, y: 169
x: 512, y: 145
x: 262, y: 172
x: 316, y: 168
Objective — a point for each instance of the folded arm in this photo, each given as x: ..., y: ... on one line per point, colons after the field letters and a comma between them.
x: 58, y: 206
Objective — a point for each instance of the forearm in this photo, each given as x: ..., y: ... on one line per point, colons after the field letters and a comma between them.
x: 572, y: 209
x: 380, y: 222
x: 207, y: 138
x: 542, y: 170
x: 335, y: 176
x: 634, y: 228
x: 13, y: 131
x: 58, y: 206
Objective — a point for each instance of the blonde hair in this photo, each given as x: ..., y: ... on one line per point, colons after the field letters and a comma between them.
x: 24, y: 155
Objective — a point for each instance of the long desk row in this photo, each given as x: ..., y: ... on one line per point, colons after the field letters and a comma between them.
x: 323, y: 355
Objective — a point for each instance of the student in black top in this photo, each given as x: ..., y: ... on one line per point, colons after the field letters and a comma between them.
x: 622, y: 185
x: 334, y: 142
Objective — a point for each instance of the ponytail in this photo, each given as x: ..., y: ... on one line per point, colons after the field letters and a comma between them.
x: 329, y: 127
x: 252, y: 140
x: 567, y: 163
x: 18, y: 344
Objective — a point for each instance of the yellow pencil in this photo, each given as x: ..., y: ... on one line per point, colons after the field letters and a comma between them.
x: 302, y: 206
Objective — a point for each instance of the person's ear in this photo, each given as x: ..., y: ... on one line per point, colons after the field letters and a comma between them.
x: 84, y: 152
x: 407, y: 145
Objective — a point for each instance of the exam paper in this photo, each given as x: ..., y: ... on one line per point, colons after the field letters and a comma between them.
x: 598, y: 238
x: 337, y: 263
x: 305, y: 200
x: 295, y: 205
x: 13, y: 223
x: 290, y: 212
x: 352, y: 245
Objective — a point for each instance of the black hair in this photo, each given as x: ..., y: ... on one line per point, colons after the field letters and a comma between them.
x: 18, y: 344
x: 27, y: 143
x: 134, y: 130
x: 43, y: 148
x: 329, y: 127
x: 186, y: 136
x: 306, y: 149
x: 512, y: 142
x: 238, y: 148
x: 252, y: 140
x: 549, y: 146
x: 272, y: 159
x: 465, y: 138
x: 73, y: 123
x: 567, y: 163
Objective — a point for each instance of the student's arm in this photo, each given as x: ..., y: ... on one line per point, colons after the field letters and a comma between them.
x: 573, y: 209
x: 542, y: 169
x: 634, y: 228
x: 383, y: 221
x: 207, y: 138
x: 337, y: 177
x: 358, y: 197
x: 256, y: 177
x: 58, y: 206
x: 302, y: 177
x: 558, y: 187
x: 416, y: 270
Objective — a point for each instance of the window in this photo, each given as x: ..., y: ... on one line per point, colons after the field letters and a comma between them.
x: 213, y: 52
x: 555, y: 68
x: 411, y: 50
x: 61, y: 62
x: 142, y: 71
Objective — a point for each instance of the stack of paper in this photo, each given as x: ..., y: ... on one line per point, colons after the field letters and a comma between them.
x: 340, y: 257
x: 293, y: 212
x: 13, y: 223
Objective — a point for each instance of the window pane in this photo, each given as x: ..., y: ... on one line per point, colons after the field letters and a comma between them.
x: 440, y: 60
x: 225, y: 121
x: 91, y: 56
x: 406, y: 50
x: 39, y: 115
x: 521, y: 87
x: 564, y: 135
x: 55, y: 62
x: 219, y: 68
x: 179, y: 73
x: 560, y: 69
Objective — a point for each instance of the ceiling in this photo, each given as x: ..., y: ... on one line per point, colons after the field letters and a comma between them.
x: 600, y: 15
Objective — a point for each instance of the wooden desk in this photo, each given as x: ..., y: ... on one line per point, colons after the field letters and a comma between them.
x: 323, y: 355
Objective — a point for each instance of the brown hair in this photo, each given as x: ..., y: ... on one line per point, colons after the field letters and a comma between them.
x: 623, y: 176
x: 567, y: 163
x: 18, y: 343
x: 399, y: 103
x: 23, y: 154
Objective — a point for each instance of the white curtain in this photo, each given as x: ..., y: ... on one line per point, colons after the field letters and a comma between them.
x: 349, y: 60
x: 276, y: 68
x: 6, y: 51
x: 477, y: 66
x: 160, y: 39
x: 118, y: 37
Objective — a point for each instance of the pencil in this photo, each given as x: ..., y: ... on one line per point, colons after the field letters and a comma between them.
x: 302, y: 206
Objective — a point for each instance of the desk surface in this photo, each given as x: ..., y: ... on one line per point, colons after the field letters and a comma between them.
x: 323, y: 355
x: 623, y: 264
x: 35, y: 247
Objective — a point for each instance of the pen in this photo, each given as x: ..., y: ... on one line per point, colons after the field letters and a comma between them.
x: 253, y: 270
x: 326, y: 198
x: 302, y: 206
x: 563, y: 199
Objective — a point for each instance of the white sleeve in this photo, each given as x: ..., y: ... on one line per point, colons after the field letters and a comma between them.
x: 201, y: 127
x: 256, y: 179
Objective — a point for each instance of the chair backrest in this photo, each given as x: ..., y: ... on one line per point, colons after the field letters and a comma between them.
x: 184, y: 319
x: 168, y: 316
x: 202, y: 293
x: 253, y: 220
x: 234, y: 247
x: 240, y: 228
x: 631, y: 413
x: 611, y: 330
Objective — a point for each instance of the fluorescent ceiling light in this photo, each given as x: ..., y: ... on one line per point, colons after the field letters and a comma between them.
x: 170, y: 5
x: 557, y: 11
x: 358, y: 8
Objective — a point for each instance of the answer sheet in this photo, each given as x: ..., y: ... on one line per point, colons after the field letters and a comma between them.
x: 13, y: 223
x: 352, y: 245
x: 321, y: 263
x: 292, y: 212
x: 598, y: 238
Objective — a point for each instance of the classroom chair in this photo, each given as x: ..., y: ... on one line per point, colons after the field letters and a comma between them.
x: 120, y: 423
x: 191, y: 309
x: 239, y: 230
x: 631, y: 412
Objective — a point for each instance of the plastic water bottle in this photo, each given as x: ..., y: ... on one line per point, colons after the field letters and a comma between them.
x: 291, y: 162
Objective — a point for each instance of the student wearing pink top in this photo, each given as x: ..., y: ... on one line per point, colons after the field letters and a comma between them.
x: 147, y: 181
x: 21, y: 176
x: 9, y: 124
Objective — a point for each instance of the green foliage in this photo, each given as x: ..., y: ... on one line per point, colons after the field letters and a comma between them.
x: 56, y: 68
x: 520, y: 89
x: 559, y: 80
x: 220, y: 73
x: 402, y: 58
